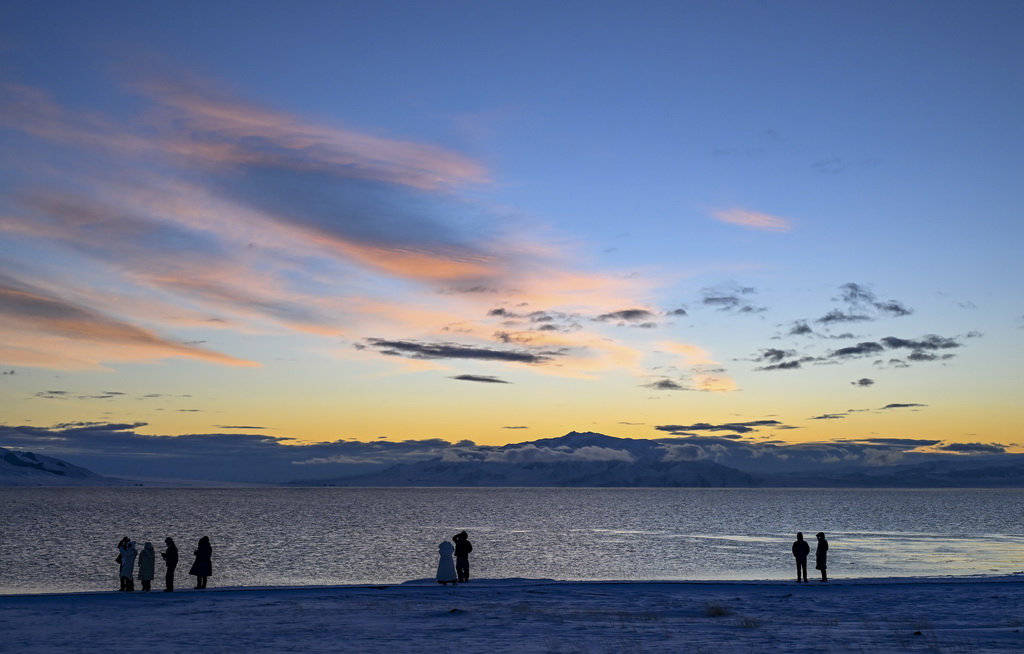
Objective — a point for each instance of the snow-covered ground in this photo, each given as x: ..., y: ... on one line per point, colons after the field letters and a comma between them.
x: 515, y: 615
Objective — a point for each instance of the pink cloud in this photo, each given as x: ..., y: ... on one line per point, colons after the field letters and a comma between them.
x: 46, y: 331
x: 753, y: 220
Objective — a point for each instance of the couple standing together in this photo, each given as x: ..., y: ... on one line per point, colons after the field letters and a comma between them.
x: 457, y: 571
x: 802, y: 548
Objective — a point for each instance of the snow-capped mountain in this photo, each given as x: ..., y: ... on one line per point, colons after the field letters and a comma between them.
x: 28, y: 469
x: 576, y: 459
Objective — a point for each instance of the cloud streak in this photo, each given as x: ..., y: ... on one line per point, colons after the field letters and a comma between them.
x: 207, y: 211
x: 753, y: 220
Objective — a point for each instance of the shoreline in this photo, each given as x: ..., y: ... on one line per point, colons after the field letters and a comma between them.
x: 994, y: 578
x: 937, y: 614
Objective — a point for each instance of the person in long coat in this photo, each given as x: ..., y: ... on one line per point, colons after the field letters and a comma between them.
x: 127, y: 554
x: 821, y: 556
x: 170, y: 557
x: 147, y: 565
x: 800, y: 551
x: 462, y: 549
x: 446, y: 564
x: 202, y: 567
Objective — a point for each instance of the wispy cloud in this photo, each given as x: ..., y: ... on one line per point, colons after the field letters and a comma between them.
x: 753, y: 220
x: 485, y: 379
x: 51, y: 332
x: 207, y: 211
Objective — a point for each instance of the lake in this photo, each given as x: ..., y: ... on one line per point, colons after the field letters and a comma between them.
x: 64, y: 539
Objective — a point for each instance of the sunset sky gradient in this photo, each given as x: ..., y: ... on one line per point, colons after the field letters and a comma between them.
x: 500, y: 222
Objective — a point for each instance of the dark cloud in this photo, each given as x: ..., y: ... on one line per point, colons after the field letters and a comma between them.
x: 863, y: 382
x: 863, y: 305
x: 829, y: 416
x: 677, y: 312
x: 929, y: 342
x: 626, y: 315
x: 776, y: 358
x: 903, y: 406
x: 666, y: 385
x: 53, y: 395
x: 239, y: 427
x: 973, y: 448
x: 516, y: 427
x: 730, y: 297
x: 775, y: 355
x: 800, y: 328
x: 486, y: 379
x: 918, y: 355
x: 785, y: 365
x: 69, y: 395
x: 893, y: 308
x: 415, y: 350
x: 859, y: 350
x: 547, y: 321
x: 899, y: 442
x: 737, y: 427
x: 835, y: 315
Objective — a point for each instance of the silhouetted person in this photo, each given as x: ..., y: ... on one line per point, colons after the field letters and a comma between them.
x: 170, y: 558
x: 147, y: 564
x: 202, y: 567
x: 127, y: 554
x: 800, y: 550
x: 446, y: 564
x: 821, y: 556
x: 121, y: 543
x: 462, y: 549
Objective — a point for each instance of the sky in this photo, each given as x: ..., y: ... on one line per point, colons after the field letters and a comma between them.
x: 292, y: 223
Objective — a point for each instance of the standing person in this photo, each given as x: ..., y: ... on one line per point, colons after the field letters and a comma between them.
x: 821, y: 555
x: 121, y: 543
x: 202, y: 567
x: 127, y: 554
x: 462, y: 549
x: 147, y: 564
x: 170, y: 558
x: 446, y: 564
x: 800, y: 550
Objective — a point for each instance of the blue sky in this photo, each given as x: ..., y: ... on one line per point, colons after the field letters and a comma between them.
x: 504, y: 221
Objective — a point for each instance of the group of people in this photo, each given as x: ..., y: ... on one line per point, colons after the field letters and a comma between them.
x: 802, y: 549
x: 454, y: 570
x: 452, y: 567
x: 201, y: 569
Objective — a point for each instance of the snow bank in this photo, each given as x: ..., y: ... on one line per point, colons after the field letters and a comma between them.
x: 517, y: 615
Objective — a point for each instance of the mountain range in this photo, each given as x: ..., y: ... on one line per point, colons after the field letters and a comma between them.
x: 583, y: 459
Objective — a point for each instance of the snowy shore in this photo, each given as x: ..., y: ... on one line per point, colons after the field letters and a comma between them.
x: 972, y: 614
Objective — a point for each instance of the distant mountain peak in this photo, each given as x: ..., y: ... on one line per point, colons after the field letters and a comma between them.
x: 577, y: 439
x: 31, y: 469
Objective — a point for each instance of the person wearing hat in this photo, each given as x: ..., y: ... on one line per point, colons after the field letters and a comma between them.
x: 445, y: 564
x: 147, y: 565
x: 127, y: 554
x: 170, y: 557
